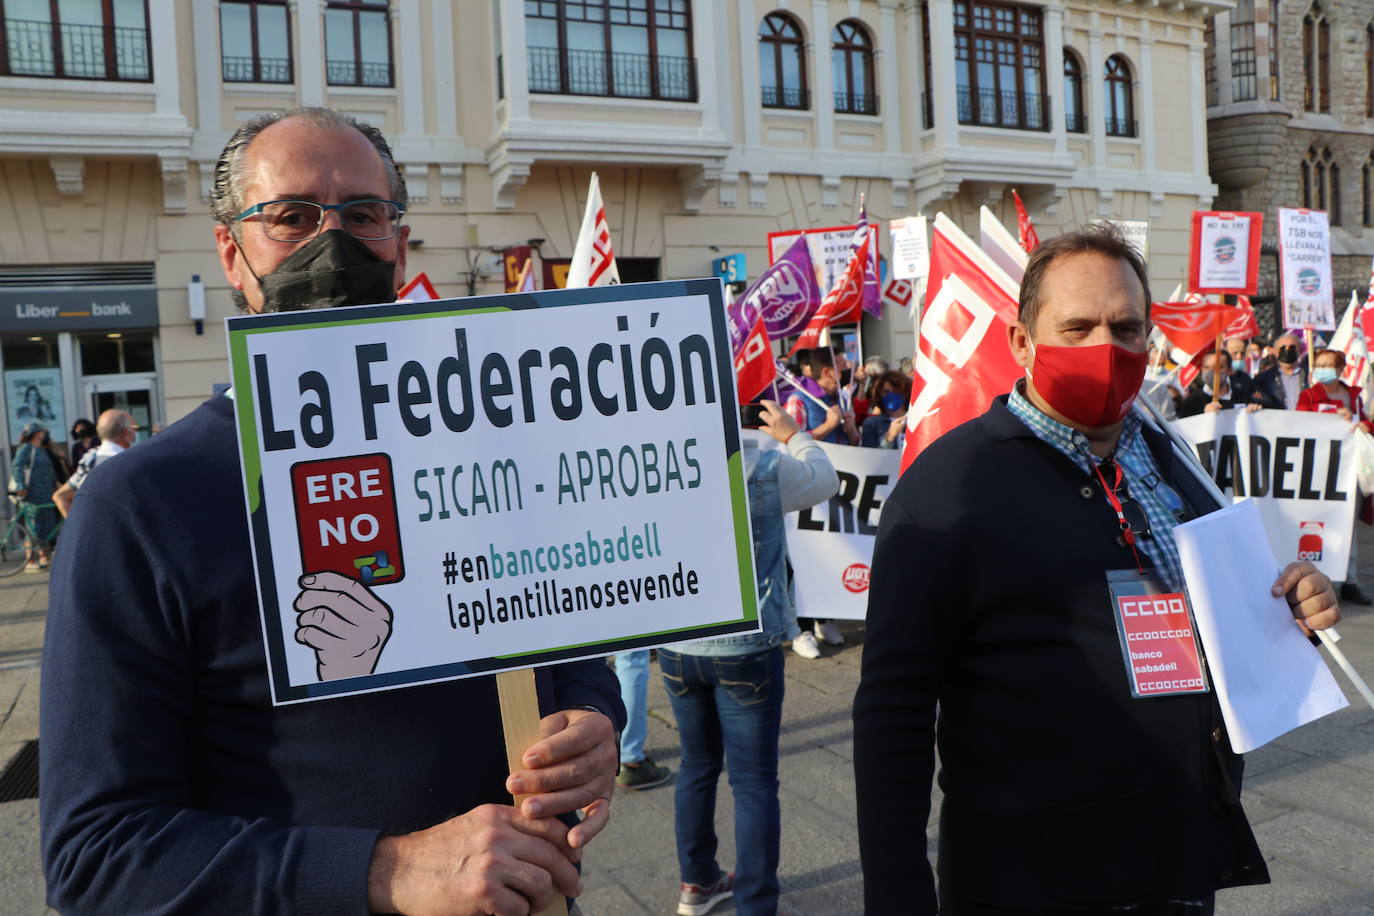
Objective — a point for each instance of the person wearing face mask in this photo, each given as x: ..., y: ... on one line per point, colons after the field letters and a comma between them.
x: 173, y: 784
x: 35, y: 472
x: 1254, y: 360
x: 1278, y: 387
x: 1234, y: 389
x: 886, y: 428
x: 1235, y: 352
x: 990, y: 599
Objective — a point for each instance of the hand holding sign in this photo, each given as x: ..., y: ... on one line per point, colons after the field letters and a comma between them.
x: 1310, y: 595
x: 572, y: 767
x: 343, y: 622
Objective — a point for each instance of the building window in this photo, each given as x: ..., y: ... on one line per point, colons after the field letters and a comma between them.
x: 1369, y: 71
x: 999, y: 50
x: 357, y: 43
x: 851, y: 62
x: 782, y: 63
x: 1274, y: 83
x: 622, y: 48
x: 1209, y: 60
x: 1120, y: 105
x: 1244, y: 72
x: 91, y: 41
x: 255, y: 41
x: 1319, y: 183
x: 1074, y: 121
x: 1316, y: 60
x: 1367, y: 194
x: 927, y: 100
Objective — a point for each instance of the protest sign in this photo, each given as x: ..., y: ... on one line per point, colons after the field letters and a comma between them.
x: 830, y: 250
x: 910, y: 248
x: 1224, y: 259
x: 831, y: 544
x: 1136, y: 232
x: 35, y: 395
x: 519, y: 483
x: 1299, y: 467
x: 1305, y: 262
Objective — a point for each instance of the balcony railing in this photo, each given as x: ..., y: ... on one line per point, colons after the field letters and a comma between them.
x: 352, y: 73
x: 268, y: 70
x: 856, y: 103
x: 90, y: 52
x: 786, y: 97
x: 612, y: 73
x: 999, y: 108
x: 1075, y: 123
x: 1120, y: 127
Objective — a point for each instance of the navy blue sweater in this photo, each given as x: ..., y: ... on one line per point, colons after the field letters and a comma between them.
x: 169, y: 781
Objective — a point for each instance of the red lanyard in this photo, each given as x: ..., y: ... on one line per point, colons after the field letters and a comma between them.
x: 1126, y: 533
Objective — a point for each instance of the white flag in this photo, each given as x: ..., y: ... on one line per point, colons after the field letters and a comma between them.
x: 593, y: 260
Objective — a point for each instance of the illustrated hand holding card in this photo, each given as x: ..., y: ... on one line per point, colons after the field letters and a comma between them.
x: 346, y: 518
x: 1159, y: 642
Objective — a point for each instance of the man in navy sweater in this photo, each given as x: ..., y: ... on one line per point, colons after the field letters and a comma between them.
x: 170, y: 782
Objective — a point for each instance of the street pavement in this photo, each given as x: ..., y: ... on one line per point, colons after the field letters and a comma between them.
x: 1309, y: 794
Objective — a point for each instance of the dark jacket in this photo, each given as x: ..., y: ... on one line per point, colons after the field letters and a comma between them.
x: 1242, y: 392
x: 1269, y: 388
x: 1060, y: 790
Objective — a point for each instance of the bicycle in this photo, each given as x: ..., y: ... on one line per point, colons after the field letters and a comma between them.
x: 14, y: 549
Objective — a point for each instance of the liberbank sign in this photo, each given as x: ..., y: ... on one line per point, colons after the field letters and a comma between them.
x: 77, y: 308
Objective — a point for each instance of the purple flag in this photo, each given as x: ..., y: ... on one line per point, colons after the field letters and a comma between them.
x: 872, y: 293
x: 740, y: 316
x: 786, y: 293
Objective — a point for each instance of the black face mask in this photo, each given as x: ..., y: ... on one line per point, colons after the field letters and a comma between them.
x: 845, y: 377
x: 330, y: 270
x: 1288, y: 355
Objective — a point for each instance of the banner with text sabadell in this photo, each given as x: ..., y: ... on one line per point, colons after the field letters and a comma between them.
x: 519, y: 479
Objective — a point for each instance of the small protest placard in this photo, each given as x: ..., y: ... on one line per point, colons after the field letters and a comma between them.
x: 1224, y: 259
x: 910, y: 248
x: 517, y: 480
x: 1305, y: 262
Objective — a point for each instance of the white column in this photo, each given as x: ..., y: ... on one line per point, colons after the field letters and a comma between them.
x: 1221, y: 55
x: 445, y: 95
x: 823, y: 97
x: 406, y: 16
x: 943, y: 84
x: 1054, y: 76
x: 1145, y: 119
x: 1197, y: 111
x: 205, y: 37
x: 915, y: 51
x: 310, y: 57
x: 162, y: 34
x: 751, y: 95
x: 891, y: 97
x: 709, y: 73
x: 1266, y: 33
x: 1097, y: 108
x: 513, y: 60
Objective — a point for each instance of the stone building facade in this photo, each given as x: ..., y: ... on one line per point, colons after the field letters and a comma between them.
x: 1290, y: 95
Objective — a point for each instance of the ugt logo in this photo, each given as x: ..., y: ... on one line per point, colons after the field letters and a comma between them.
x: 1224, y: 249
x: 1310, y: 541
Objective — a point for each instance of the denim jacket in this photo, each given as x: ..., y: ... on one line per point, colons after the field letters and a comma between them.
x: 776, y: 607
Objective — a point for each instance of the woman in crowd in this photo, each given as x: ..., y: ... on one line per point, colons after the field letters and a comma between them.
x: 36, y: 473
x: 885, y: 426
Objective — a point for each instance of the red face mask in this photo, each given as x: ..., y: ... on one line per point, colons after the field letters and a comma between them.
x: 1092, y: 386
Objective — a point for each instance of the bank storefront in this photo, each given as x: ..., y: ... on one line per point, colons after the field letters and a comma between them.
x: 75, y: 341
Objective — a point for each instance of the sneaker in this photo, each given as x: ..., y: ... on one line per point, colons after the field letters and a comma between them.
x: 643, y: 775
x: 1352, y: 593
x: 697, y: 901
x: 826, y: 630
x: 805, y: 646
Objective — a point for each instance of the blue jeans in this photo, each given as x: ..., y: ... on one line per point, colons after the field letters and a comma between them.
x: 632, y: 670
x: 728, y: 707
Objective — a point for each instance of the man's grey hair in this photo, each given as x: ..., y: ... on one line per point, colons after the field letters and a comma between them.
x: 112, y: 424
x: 226, y: 202
x: 875, y: 365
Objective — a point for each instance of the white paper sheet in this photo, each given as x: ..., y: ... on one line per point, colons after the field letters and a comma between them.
x: 1269, y: 679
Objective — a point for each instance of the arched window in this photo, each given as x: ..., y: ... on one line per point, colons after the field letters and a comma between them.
x: 1316, y: 60
x: 851, y: 60
x: 1369, y: 70
x: 1074, y: 122
x: 1367, y: 193
x: 782, y: 63
x: 1319, y: 183
x: 1274, y: 68
x: 1120, y: 106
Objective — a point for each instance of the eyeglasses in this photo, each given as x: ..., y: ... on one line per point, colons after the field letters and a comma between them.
x: 1134, y: 512
x: 299, y: 220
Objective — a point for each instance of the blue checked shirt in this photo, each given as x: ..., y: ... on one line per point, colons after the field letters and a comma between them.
x: 1141, y: 475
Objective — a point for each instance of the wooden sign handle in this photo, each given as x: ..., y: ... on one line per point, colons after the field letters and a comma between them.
x: 1311, y: 354
x: 520, y: 723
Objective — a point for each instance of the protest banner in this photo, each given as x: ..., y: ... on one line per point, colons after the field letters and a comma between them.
x: 593, y: 259
x: 1026, y: 235
x: 1224, y: 257
x: 1305, y: 263
x: 830, y: 249
x: 520, y: 479
x: 1298, y: 466
x: 1000, y: 245
x: 1136, y: 232
x: 831, y: 544
x: 910, y: 248
x: 35, y: 395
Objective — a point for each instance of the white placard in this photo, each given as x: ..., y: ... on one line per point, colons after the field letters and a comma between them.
x: 910, y: 248
x: 1136, y: 232
x: 1305, y: 261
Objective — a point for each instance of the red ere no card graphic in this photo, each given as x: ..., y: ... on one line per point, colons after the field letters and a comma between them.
x: 346, y: 518
x: 1162, y: 649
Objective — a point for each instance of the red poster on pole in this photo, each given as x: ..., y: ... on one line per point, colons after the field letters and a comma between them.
x: 1224, y: 257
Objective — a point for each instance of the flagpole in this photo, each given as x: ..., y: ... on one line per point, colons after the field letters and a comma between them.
x: 1328, y: 636
x: 780, y: 372
x: 1216, y: 361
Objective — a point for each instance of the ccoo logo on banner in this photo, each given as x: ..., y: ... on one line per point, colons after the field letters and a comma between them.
x: 1299, y: 468
x: 831, y: 544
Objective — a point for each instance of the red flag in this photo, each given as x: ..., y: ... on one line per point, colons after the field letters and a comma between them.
x: 898, y: 292
x: 418, y: 290
x: 1193, y: 326
x: 1245, y: 326
x: 1024, y: 228
x: 754, y: 363
x: 843, y: 303
x: 962, y: 358
x: 1191, y: 369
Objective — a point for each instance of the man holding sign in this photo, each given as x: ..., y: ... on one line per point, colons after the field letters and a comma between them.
x: 171, y: 782
x: 1025, y: 578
